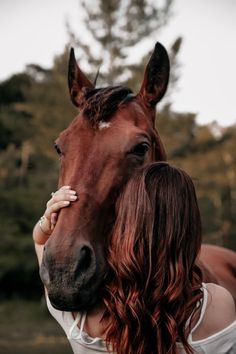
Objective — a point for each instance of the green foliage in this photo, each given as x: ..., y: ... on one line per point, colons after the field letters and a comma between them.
x: 30, y: 119
x: 12, y: 90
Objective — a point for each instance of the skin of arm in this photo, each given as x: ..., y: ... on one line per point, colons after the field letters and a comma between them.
x: 42, y: 230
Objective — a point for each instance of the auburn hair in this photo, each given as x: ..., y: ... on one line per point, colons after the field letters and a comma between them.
x: 154, y: 285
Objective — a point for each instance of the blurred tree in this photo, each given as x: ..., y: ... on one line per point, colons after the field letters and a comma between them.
x: 49, y: 103
x: 121, y: 33
x: 15, y: 209
x: 34, y: 108
x: 12, y: 90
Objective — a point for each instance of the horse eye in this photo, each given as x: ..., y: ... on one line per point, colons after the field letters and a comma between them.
x: 139, y: 149
x: 58, y: 150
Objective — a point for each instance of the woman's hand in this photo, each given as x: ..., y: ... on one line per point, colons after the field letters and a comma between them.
x: 60, y: 199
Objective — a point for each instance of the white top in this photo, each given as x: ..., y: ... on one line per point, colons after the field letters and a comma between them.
x: 223, y: 342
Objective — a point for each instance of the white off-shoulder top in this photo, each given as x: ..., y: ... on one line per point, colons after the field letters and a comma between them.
x: 223, y: 342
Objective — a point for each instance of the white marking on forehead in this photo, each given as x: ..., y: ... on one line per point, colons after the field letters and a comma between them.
x: 103, y: 125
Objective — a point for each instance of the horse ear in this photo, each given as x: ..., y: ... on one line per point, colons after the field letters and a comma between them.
x: 76, y: 80
x: 156, y: 76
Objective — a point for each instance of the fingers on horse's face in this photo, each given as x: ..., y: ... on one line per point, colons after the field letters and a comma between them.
x: 112, y: 136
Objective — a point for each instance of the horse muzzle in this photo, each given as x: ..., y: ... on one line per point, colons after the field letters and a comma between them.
x: 72, y: 283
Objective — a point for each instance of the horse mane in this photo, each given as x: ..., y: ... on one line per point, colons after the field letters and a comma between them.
x: 154, y: 283
x: 99, y: 104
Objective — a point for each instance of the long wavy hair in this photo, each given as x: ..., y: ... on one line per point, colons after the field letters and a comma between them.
x: 154, y: 284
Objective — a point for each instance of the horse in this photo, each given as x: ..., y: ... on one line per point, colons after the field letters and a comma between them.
x: 112, y: 136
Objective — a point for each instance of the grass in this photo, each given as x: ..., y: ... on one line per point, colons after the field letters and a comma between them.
x: 26, y: 327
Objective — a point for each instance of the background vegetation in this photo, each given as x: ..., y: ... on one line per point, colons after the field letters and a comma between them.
x: 35, y: 107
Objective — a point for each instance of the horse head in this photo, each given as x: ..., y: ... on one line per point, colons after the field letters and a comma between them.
x: 113, y: 135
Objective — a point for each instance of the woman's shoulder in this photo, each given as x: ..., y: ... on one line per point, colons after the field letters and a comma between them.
x: 220, y: 306
x: 220, y: 312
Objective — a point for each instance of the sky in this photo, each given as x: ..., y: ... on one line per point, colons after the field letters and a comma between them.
x: 33, y: 31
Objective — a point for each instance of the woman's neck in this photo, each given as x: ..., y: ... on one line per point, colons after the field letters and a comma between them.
x: 95, y: 324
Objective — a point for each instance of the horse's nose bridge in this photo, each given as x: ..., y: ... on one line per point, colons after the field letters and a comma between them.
x: 91, y: 182
x: 78, y: 217
x: 75, y: 227
x: 87, y: 201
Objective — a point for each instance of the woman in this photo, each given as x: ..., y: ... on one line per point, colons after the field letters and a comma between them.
x: 154, y: 299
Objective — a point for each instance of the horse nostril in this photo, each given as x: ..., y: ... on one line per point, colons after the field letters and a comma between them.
x: 85, y: 259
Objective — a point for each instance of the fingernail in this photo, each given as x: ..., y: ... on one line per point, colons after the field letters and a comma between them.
x: 66, y: 202
x: 73, y: 197
x: 72, y: 192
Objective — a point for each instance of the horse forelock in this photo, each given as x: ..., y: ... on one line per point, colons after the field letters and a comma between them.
x: 100, y: 104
